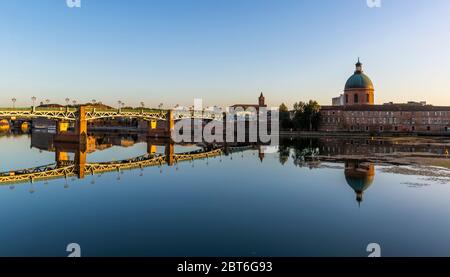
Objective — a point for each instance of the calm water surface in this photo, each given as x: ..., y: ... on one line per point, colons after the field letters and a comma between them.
x: 242, y: 204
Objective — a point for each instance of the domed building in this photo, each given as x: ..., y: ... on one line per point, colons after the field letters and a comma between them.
x: 355, y: 111
x: 359, y: 88
x: 359, y: 177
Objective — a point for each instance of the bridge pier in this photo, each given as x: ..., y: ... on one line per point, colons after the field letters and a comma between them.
x: 61, y: 156
x: 61, y: 127
x: 151, y: 148
x: 169, y: 152
x: 81, y: 123
x: 169, y: 125
x: 80, y: 162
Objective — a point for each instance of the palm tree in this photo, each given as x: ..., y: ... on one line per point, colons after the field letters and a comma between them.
x: 67, y: 101
x: 74, y: 102
x: 47, y: 101
x: 160, y: 105
x: 120, y: 103
x: 94, y: 101
x: 33, y: 99
x: 142, y: 104
x: 14, y: 102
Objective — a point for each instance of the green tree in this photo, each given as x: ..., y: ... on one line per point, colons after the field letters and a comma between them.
x: 307, y: 115
x: 285, y: 118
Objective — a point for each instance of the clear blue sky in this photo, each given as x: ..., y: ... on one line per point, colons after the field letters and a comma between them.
x: 224, y: 51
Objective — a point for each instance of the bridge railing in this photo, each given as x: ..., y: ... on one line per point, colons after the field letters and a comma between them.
x: 16, y: 109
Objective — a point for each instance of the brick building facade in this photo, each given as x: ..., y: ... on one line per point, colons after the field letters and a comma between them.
x: 357, y: 112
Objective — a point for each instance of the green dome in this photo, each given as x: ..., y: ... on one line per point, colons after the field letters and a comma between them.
x: 359, y: 184
x: 359, y: 80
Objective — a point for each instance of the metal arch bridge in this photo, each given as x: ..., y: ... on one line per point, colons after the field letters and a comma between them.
x: 67, y: 169
x: 72, y: 114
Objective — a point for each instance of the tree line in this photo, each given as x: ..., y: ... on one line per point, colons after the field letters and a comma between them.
x: 304, y: 116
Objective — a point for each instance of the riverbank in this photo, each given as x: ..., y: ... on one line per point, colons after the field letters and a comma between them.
x: 319, y: 134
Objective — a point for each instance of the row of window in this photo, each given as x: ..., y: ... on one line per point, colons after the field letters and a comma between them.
x: 379, y: 113
x: 388, y: 120
x: 396, y: 128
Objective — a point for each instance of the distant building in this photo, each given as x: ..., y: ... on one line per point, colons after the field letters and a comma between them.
x: 261, y: 103
x: 355, y: 111
x: 248, y: 108
x: 338, y: 101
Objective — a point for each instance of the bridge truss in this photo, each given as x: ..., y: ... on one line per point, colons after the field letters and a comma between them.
x: 72, y: 114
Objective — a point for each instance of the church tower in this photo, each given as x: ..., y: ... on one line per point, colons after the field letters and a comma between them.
x: 261, y: 100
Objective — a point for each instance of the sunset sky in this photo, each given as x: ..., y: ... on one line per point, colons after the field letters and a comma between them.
x: 224, y: 51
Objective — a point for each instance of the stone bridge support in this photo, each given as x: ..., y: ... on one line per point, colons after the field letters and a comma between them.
x: 169, y: 152
x: 80, y: 162
x: 169, y: 125
x: 81, y: 123
x: 61, y: 156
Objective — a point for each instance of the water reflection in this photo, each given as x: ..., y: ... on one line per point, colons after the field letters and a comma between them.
x: 217, y: 199
x: 359, y: 177
x: 358, y: 155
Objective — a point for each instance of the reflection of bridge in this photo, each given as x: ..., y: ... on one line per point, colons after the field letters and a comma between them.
x: 65, y: 169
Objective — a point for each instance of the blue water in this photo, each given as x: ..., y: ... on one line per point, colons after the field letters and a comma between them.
x: 225, y: 206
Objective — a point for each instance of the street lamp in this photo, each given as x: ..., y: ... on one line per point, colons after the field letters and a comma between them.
x: 14, y: 102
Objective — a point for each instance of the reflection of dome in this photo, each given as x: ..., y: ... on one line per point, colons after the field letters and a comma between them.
x: 359, y: 80
x: 359, y: 177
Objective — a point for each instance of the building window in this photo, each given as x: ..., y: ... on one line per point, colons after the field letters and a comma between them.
x: 346, y: 98
x: 367, y: 128
x: 413, y: 128
x: 356, y: 100
x: 368, y: 98
x: 428, y: 128
x: 381, y: 128
x: 446, y: 129
x: 396, y: 128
